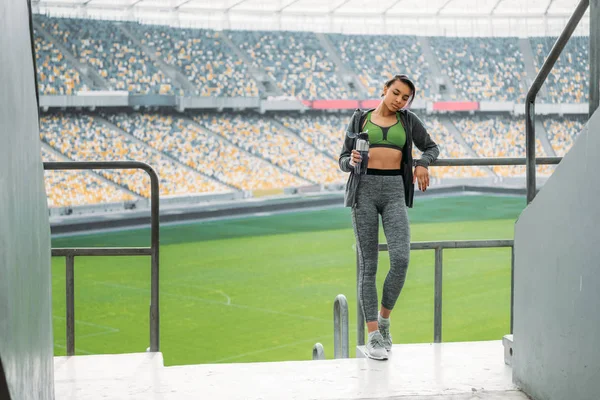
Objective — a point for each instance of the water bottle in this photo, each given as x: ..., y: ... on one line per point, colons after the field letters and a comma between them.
x: 362, y: 146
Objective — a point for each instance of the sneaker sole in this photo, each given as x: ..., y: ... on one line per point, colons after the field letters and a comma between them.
x: 383, y: 358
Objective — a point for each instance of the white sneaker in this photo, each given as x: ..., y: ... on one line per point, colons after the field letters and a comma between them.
x: 375, y: 348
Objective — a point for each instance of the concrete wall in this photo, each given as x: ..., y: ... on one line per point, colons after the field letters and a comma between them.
x: 25, y: 290
x: 557, y: 280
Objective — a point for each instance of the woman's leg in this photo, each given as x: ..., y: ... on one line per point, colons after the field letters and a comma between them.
x: 365, y: 219
x: 394, y: 217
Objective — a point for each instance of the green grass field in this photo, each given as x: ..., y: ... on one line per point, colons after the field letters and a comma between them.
x: 262, y: 288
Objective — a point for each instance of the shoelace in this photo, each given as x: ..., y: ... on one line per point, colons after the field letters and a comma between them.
x: 385, y: 333
x: 377, y: 341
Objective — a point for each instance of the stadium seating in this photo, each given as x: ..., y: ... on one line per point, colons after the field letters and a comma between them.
x: 202, y: 56
x: 185, y: 141
x: 568, y: 80
x: 376, y: 58
x: 499, y: 136
x: 482, y: 68
x: 249, y: 151
x: 82, y: 138
x: 562, y: 131
x: 296, y: 61
x: 324, y: 131
x: 449, y: 148
x: 265, y: 138
x: 55, y: 75
x: 75, y: 188
x: 115, y: 57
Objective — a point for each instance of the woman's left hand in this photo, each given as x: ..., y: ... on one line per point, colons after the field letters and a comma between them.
x: 422, y: 176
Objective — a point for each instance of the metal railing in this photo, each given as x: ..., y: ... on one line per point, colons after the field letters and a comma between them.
x: 152, y: 251
x: 539, y: 80
x: 439, y: 247
x: 341, y: 342
x: 318, y: 352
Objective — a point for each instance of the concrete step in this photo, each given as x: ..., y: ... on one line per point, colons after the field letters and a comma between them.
x: 414, y: 371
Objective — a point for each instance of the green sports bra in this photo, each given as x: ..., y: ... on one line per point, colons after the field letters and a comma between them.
x: 391, y: 136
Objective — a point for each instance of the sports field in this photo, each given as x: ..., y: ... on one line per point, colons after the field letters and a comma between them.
x: 262, y: 288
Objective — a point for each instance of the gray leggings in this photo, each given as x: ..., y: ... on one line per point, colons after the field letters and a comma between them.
x: 377, y: 194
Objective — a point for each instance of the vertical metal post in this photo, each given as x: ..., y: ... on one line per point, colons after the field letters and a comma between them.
x: 594, y: 97
x: 530, y: 149
x: 360, y: 318
x: 154, y: 299
x: 512, y: 286
x: 318, y: 352
x: 70, y: 282
x: 341, y: 348
x: 437, y: 316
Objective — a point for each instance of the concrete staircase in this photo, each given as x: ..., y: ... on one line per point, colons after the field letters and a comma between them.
x: 177, y: 77
x: 354, y: 86
x: 540, y: 133
x: 436, y: 76
x: 265, y: 83
x: 457, y: 371
x: 530, y: 68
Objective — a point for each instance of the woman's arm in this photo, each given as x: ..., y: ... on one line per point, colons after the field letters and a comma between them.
x: 344, y: 160
x: 430, y: 152
x: 348, y: 145
x: 424, y: 142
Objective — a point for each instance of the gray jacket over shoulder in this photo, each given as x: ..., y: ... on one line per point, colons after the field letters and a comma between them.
x: 415, y: 133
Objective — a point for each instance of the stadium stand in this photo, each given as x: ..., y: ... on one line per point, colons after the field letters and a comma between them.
x: 449, y: 148
x: 55, y: 75
x: 253, y: 152
x: 75, y: 188
x: 568, y: 80
x: 482, y: 69
x: 202, y: 56
x: 185, y: 141
x: 102, y: 45
x: 262, y: 137
x: 296, y: 61
x: 499, y: 136
x: 562, y: 131
x: 324, y: 131
x: 81, y: 138
x: 248, y: 151
x: 375, y: 58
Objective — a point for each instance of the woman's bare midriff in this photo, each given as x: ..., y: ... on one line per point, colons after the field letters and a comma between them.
x: 384, y: 158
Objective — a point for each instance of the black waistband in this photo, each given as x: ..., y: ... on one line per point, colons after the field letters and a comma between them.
x: 384, y: 172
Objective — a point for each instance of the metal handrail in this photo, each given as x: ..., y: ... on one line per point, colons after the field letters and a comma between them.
x: 539, y: 80
x: 341, y: 346
x: 318, y: 352
x: 439, y: 246
x: 490, y: 161
x: 152, y: 251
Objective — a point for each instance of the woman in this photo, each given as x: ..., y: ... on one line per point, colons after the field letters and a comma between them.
x: 386, y: 189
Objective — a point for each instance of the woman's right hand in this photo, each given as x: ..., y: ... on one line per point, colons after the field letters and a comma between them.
x: 355, y: 158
